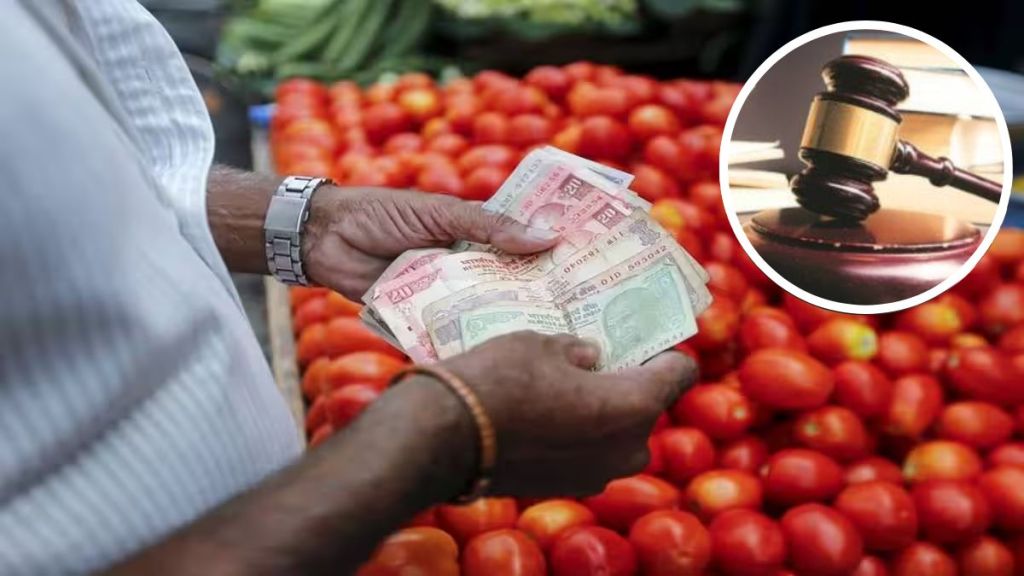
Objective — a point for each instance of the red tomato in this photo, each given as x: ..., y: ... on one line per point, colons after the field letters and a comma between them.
x: 411, y: 80
x: 677, y: 214
x: 554, y: 81
x: 344, y: 404
x: 873, y: 468
x: 941, y: 460
x: 592, y: 550
x: 746, y: 543
x: 320, y: 435
x: 426, y: 517
x: 747, y: 453
x: 794, y: 475
x: 347, y: 334
x: 934, y: 321
x: 901, y: 353
x: 862, y: 388
x: 315, y: 377
x: 727, y: 279
x: 785, y: 379
x: 384, y: 120
x: 1011, y: 454
x: 451, y: 145
x: 951, y: 510
x: 461, y: 111
x: 516, y: 99
x: 626, y: 499
x: 491, y: 128
x: 663, y: 152
x: 650, y: 120
x: 463, y: 521
x: 312, y: 342
x: 718, y: 410
x: 1001, y: 308
x: 312, y: 311
x: 985, y: 556
x: 546, y: 520
x: 715, y: 491
x: 568, y: 138
x: 403, y: 142
x: 834, y: 431
x: 923, y: 559
x: 985, y: 374
x: 603, y: 137
x: 421, y: 104
x: 978, y: 424
x: 652, y: 184
x: 821, y: 540
x: 504, y: 552
x: 586, y: 99
x: 1004, y: 489
x: 440, y: 178
x: 528, y: 129
x: 870, y: 566
x: 687, y: 452
x: 487, y: 155
x: 916, y: 403
x: 671, y: 543
x: 807, y: 316
x: 883, y: 513
x: 1012, y: 341
x: 483, y: 182
x: 765, y: 327
x: 841, y: 339
x: 417, y: 550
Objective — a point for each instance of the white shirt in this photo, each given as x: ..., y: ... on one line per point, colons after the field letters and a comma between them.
x: 133, y: 394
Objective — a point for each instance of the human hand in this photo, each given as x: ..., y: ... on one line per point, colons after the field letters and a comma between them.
x: 562, y: 429
x: 354, y: 233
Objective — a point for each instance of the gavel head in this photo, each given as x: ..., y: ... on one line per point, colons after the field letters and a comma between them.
x: 850, y: 137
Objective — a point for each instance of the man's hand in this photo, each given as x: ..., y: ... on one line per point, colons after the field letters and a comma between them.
x: 562, y: 429
x: 354, y: 233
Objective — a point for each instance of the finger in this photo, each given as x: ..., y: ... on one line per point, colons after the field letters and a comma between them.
x: 469, y: 221
x: 579, y: 352
x: 664, y: 377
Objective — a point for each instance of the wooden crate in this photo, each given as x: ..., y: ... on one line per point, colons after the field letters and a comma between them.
x: 282, y: 347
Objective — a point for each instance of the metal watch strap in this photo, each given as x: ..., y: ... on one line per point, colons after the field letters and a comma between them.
x: 286, y: 216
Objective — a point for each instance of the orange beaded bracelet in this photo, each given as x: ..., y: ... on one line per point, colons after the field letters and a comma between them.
x: 484, y: 426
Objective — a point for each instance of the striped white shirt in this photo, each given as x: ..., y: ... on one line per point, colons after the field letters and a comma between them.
x: 133, y: 394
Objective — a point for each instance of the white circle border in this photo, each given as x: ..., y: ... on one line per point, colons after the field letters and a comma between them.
x: 734, y: 221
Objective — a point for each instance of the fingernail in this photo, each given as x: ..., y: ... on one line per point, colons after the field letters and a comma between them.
x: 541, y: 233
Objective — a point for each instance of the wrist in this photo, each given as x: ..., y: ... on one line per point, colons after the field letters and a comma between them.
x: 325, y: 207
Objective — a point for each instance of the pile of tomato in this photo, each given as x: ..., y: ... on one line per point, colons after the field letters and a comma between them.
x: 816, y: 443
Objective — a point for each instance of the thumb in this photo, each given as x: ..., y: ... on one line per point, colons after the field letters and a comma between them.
x: 469, y: 221
x: 664, y: 377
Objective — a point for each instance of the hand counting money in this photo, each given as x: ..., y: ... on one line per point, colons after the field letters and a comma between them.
x: 615, y: 277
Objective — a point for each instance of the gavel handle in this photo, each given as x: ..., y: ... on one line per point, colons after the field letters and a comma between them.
x: 907, y: 159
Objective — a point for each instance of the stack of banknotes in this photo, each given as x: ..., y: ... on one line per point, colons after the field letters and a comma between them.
x: 614, y: 277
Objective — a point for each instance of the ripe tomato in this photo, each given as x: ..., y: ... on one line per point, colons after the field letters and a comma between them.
x: 807, y: 316
x: 1012, y: 341
x: 506, y: 551
x: 923, y: 559
x: 362, y: 367
x: 715, y: 491
x: 862, y: 388
x: 461, y: 111
x: 671, y: 543
x: 652, y: 184
x: 747, y: 453
x: 418, y: 550
x: 650, y: 120
x: 516, y: 98
x: 483, y: 182
x: 451, y: 145
x: 795, y: 475
x: 525, y: 130
x: 882, y: 512
x: 727, y: 280
x: 871, y: 469
x: 934, y: 321
x: 677, y: 214
x: 440, y: 178
x: 746, y: 543
x: 626, y: 499
x: 687, y: 452
x: 841, y: 339
x: 347, y: 334
x: 591, y: 550
x: 870, y: 566
x: 309, y: 312
x: 410, y: 80
x: 718, y: 410
x: 587, y: 99
x: 545, y: 520
x: 978, y: 424
x: 315, y: 377
x: 554, y: 81
x: 941, y: 460
x: 951, y: 510
x: 568, y: 138
x: 834, y: 431
x: 901, y: 353
x: 663, y: 152
x: 384, y: 120
x: 985, y: 556
x: 320, y: 435
x: 603, y: 137
x: 487, y: 155
x: 1011, y: 454
x: 491, y: 128
x: 916, y: 403
x: 312, y: 343
x: 785, y: 379
x: 765, y: 327
x: 1004, y: 489
x: 421, y: 104
x: 426, y: 517
x: 1001, y: 308
x: 641, y: 89
x: 985, y: 374
x: 316, y: 416
x: 821, y: 540
x: 299, y: 295
x: 343, y: 405
x: 464, y: 521
x: 716, y: 325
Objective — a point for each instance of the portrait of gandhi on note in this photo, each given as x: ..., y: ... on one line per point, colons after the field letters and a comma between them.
x: 630, y: 319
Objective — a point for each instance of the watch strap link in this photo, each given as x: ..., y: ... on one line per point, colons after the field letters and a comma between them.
x: 288, y: 212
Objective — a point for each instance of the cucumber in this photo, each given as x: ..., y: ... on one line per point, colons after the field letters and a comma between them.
x: 315, y: 36
x: 345, y: 33
x: 366, y: 35
x: 408, y: 28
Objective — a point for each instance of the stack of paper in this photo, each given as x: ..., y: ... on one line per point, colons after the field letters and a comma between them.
x: 615, y: 277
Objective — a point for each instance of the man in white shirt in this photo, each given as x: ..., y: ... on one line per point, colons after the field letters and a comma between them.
x: 138, y: 420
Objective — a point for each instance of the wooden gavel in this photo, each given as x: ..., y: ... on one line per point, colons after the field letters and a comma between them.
x: 851, y: 141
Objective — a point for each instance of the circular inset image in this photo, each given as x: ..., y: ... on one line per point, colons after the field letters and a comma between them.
x: 865, y: 167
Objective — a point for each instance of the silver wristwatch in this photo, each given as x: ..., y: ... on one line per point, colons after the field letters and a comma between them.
x: 287, y: 214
